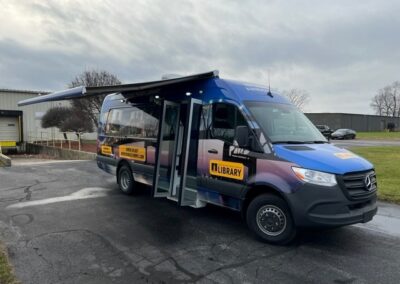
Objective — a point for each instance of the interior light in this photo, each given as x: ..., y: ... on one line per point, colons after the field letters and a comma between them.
x: 157, y: 96
x: 188, y: 94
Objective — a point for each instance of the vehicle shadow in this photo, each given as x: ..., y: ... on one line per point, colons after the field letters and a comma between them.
x: 168, y: 223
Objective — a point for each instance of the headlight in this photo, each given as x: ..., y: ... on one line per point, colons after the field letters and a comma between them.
x: 315, y: 177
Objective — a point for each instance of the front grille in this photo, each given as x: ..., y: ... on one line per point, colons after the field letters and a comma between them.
x: 360, y: 185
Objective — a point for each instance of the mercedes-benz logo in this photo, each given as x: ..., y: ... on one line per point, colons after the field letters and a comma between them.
x: 368, y: 183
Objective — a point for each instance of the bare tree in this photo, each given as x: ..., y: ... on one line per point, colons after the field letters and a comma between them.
x: 387, y: 100
x: 93, y: 78
x: 377, y: 104
x: 78, y: 121
x: 300, y: 98
x: 55, y: 117
x: 396, y: 98
x: 67, y: 119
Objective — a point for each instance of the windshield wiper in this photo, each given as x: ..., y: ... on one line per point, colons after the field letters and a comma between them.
x: 316, y: 142
x: 300, y: 142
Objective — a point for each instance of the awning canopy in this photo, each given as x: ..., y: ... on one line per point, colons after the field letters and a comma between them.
x: 83, y: 92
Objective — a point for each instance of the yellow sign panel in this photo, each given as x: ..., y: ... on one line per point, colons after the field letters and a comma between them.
x: 132, y: 152
x: 106, y: 150
x: 8, y: 143
x: 345, y: 155
x: 227, y: 169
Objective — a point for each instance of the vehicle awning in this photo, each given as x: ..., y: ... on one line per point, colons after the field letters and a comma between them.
x: 83, y: 92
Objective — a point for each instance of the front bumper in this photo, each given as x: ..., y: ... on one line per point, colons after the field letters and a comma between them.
x: 318, y: 206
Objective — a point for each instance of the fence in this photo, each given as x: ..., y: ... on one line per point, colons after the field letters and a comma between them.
x: 47, y: 139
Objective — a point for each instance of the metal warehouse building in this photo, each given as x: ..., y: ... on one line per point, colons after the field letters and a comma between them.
x: 358, y: 122
x: 19, y: 124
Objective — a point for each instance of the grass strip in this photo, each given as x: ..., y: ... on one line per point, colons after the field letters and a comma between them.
x: 379, y: 135
x: 386, y: 160
x: 6, y: 271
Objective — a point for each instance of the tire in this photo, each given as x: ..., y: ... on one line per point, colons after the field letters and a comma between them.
x: 262, y: 216
x: 125, y: 180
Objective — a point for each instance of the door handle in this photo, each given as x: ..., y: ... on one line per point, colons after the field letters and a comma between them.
x: 213, y: 151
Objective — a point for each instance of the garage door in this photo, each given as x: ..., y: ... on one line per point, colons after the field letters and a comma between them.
x: 9, y: 129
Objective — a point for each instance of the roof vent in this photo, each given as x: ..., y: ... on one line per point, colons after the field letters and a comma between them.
x: 299, y: 148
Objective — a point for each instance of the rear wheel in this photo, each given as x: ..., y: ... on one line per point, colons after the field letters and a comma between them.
x: 125, y: 180
x: 268, y: 216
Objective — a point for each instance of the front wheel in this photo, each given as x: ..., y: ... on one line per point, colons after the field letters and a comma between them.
x: 125, y: 180
x: 268, y: 216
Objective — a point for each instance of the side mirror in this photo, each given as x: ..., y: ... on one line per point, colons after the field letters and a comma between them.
x: 242, y: 136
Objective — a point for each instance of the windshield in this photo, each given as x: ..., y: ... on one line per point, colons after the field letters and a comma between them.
x: 284, y: 123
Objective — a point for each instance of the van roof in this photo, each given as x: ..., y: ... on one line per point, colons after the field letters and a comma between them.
x: 244, y: 91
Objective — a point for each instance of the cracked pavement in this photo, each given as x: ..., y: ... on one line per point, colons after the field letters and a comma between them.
x: 72, y: 225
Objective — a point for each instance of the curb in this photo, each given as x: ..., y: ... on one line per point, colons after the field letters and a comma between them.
x: 58, y: 153
x: 5, y: 161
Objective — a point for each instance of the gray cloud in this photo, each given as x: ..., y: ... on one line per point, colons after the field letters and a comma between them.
x: 340, y: 52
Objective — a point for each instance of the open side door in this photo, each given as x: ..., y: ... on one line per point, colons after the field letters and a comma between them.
x: 188, y: 182
x: 175, y: 172
x: 168, y: 142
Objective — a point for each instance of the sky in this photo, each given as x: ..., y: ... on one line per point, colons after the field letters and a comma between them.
x: 340, y: 52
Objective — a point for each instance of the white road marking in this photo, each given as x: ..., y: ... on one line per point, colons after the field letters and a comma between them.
x: 85, y: 193
x: 31, y: 162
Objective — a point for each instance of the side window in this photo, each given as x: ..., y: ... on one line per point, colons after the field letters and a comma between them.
x: 135, y: 122
x: 102, y: 122
x: 205, y: 121
x: 225, y: 119
x: 170, y: 124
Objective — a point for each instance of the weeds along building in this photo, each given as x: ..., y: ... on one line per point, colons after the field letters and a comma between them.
x: 19, y: 124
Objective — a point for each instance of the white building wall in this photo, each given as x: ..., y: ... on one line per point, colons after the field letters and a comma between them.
x: 32, y: 114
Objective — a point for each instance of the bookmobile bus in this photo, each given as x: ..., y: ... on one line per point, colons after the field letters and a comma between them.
x: 201, y: 139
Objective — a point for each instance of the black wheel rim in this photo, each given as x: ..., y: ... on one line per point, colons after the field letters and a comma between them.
x: 271, y: 220
x: 125, y: 180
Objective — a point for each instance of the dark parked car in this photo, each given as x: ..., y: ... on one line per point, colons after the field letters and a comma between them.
x: 343, y: 134
x: 325, y: 130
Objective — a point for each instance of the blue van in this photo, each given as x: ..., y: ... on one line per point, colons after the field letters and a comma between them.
x: 201, y: 139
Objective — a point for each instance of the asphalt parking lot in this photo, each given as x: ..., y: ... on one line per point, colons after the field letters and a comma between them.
x: 66, y: 222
